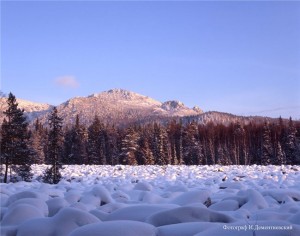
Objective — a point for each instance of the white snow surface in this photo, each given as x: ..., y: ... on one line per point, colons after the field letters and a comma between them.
x: 155, y: 200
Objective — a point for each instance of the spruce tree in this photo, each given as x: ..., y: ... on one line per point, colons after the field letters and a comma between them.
x: 52, y: 175
x: 15, y: 149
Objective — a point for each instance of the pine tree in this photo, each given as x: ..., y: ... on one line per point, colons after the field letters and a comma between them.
x: 267, y: 150
x: 15, y: 149
x: 52, y: 175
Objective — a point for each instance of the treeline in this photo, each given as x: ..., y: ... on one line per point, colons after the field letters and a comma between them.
x: 174, y: 143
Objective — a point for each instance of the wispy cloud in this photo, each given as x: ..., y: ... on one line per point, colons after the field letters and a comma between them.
x: 67, y: 82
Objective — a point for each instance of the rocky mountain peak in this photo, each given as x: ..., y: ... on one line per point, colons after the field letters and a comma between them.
x: 172, y: 105
x: 197, y: 109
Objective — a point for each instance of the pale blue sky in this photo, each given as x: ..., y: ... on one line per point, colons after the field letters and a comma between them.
x: 237, y: 57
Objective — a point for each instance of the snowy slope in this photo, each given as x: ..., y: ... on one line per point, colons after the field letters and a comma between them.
x: 156, y: 200
x: 32, y: 109
x: 226, y: 118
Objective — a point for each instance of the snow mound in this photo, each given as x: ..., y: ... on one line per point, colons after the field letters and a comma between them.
x: 226, y: 205
x: 191, y: 197
x: 188, y: 214
x: 144, y: 186
x: 20, y: 213
x: 24, y: 194
x: 62, y: 224
x: 56, y: 204
x: 138, y: 212
x: 116, y: 228
x: 186, y: 229
x: 35, y: 202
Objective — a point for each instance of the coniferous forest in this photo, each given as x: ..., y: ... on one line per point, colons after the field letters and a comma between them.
x: 174, y: 143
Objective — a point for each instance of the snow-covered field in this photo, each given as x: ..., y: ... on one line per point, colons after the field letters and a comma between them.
x: 153, y: 200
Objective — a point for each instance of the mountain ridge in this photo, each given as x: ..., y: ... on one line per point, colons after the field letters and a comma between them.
x: 112, y: 106
x: 123, y: 107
